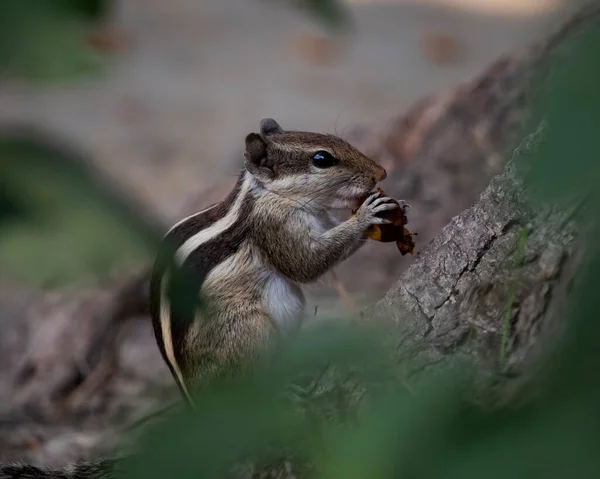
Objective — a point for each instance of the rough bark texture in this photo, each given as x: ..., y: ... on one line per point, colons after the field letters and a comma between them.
x: 482, y: 289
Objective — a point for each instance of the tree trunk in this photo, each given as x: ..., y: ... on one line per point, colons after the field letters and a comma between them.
x: 490, y: 287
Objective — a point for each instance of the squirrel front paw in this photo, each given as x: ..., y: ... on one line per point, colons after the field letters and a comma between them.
x: 375, y: 204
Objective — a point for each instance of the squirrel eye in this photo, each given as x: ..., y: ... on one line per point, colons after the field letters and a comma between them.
x: 324, y: 159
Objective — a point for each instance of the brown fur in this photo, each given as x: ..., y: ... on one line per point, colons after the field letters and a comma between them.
x: 250, y: 253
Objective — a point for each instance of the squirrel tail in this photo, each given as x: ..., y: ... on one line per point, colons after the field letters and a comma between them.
x: 102, y: 469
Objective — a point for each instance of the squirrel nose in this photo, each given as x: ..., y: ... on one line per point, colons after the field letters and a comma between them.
x: 380, y: 174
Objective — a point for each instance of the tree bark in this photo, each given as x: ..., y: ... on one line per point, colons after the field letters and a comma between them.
x: 490, y: 288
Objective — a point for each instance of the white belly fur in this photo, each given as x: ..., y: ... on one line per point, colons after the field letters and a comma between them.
x: 285, y: 302
x: 281, y: 297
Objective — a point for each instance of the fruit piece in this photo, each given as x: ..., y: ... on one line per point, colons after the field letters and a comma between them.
x: 392, y: 232
x: 406, y: 244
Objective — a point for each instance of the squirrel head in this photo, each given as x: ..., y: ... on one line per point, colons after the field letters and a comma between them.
x: 322, y: 169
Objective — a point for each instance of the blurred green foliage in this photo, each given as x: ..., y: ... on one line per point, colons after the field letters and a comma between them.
x: 59, y: 220
x: 335, y: 404
x: 332, y: 14
x: 567, y: 161
x: 45, y: 39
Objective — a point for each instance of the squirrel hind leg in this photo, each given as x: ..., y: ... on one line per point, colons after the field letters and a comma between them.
x: 241, y: 349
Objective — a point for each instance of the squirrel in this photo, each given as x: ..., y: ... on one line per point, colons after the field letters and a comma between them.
x: 248, y: 255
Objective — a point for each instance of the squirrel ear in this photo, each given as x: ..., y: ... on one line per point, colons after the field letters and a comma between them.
x: 268, y: 126
x: 257, y: 161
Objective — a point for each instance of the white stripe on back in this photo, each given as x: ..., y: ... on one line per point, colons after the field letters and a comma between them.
x: 187, y: 248
x: 214, y: 230
x: 167, y: 338
x: 179, y: 223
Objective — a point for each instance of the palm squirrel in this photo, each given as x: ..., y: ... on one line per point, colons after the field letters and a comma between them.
x: 248, y: 254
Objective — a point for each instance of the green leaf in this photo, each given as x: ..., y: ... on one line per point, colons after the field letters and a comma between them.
x: 566, y: 162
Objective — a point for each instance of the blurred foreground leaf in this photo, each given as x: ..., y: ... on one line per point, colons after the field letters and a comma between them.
x: 247, y: 427
x: 569, y: 101
x: 253, y: 419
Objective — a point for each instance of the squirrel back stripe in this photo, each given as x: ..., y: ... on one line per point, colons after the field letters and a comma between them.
x: 193, y: 247
x: 188, y: 227
x: 207, y: 234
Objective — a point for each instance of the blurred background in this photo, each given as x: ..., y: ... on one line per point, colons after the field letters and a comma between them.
x: 186, y: 80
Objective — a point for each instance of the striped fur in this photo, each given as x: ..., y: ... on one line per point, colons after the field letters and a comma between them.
x: 192, y: 248
x: 246, y: 256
